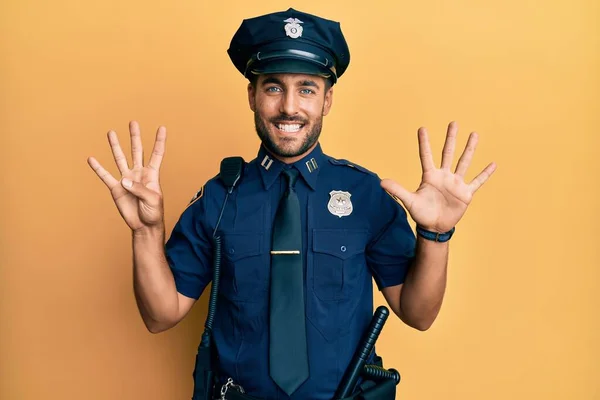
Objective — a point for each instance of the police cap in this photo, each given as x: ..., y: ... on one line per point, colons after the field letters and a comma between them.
x: 290, y: 42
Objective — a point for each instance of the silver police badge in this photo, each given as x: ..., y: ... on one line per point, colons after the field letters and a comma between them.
x: 339, y: 203
x: 293, y: 28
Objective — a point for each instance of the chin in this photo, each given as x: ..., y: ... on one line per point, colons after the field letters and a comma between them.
x: 286, y: 151
x: 285, y: 146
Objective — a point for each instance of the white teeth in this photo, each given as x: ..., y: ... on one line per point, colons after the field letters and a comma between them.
x: 289, y: 127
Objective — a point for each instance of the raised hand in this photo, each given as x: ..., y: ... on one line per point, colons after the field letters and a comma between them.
x: 442, y: 197
x: 137, y: 194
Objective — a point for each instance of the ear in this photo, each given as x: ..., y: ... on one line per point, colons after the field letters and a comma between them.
x: 328, y: 101
x: 252, y: 97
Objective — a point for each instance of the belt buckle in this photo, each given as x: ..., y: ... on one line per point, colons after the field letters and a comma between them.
x: 230, y: 385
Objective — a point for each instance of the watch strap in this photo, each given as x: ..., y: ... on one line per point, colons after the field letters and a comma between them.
x: 435, y: 236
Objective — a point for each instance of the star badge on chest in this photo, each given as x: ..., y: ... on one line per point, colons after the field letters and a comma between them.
x: 339, y: 203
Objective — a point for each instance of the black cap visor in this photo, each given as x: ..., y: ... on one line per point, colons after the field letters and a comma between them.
x: 290, y: 66
x: 302, y: 58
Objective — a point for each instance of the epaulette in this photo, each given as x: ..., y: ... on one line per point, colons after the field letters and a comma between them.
x: 346, y: 163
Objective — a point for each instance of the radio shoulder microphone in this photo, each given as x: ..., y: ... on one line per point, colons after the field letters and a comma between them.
x: 231, y: 171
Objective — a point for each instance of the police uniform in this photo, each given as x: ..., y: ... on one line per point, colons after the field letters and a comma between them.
x: 352, y: 230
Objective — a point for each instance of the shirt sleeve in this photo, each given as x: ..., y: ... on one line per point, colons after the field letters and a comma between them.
x: 189, y: 249
x: 392, y: 248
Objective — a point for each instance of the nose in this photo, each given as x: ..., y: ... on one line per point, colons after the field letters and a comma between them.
x: 289, y: 103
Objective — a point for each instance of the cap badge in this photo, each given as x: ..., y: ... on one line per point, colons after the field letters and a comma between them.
x: 293, y: 28
x: 339, y: 203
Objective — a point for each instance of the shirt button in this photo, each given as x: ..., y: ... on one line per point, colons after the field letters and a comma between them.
x: 231, y: 251
x: 343, y: 248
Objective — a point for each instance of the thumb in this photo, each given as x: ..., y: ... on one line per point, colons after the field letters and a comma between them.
x: 140, y: 191
x: 397, y: 192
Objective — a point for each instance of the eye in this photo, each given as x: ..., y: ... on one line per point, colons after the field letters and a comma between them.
x: 273, y: 89
x: 307, y: 91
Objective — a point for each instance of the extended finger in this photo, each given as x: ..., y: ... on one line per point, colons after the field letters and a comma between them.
x: 482, y: 177
x: 425, y: 150
x: 467, y: 155
x: 448, y: 151
x: 103, y: 174
x: 397, y: 192
x: 117, y: 152
x: 159, y: 148
x: 137, y: 151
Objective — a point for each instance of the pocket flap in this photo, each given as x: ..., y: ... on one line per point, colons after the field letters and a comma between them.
x: 341, y: 243
x: 240, y: 245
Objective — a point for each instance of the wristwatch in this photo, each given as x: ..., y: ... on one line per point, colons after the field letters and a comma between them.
x: 435, y: 236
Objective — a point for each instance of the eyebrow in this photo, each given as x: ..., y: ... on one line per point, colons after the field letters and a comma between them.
x: 306, y: 82
x: 309, y: 83
x: 272, y: 80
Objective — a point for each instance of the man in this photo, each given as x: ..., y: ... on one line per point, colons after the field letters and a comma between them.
x: 303, y: 234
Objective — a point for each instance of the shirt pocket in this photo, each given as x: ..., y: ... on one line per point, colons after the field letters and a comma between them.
x: 244, y: 268
x: 338, y: 262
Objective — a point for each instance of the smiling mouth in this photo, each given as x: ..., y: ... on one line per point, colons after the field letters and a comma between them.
x: 289, y: 128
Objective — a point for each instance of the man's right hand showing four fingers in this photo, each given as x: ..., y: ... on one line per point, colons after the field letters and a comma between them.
x: 137, y: 194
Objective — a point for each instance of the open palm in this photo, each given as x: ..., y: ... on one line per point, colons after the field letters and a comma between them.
x: 140, y: 204
x: 443, y: 196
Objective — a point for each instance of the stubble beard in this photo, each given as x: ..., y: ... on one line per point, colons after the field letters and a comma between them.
x: 311, y: 137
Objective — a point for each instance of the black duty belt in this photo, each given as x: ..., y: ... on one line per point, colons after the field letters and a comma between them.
x: 378, y: 384
x: 368, y: 390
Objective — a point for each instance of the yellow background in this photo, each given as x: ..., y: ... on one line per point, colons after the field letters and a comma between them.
x: 520, y: 318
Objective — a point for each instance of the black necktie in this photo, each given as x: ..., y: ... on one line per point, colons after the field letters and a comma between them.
x: 288, y: 355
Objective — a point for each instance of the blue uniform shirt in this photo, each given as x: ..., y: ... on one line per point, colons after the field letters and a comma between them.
x: 368, y: 238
